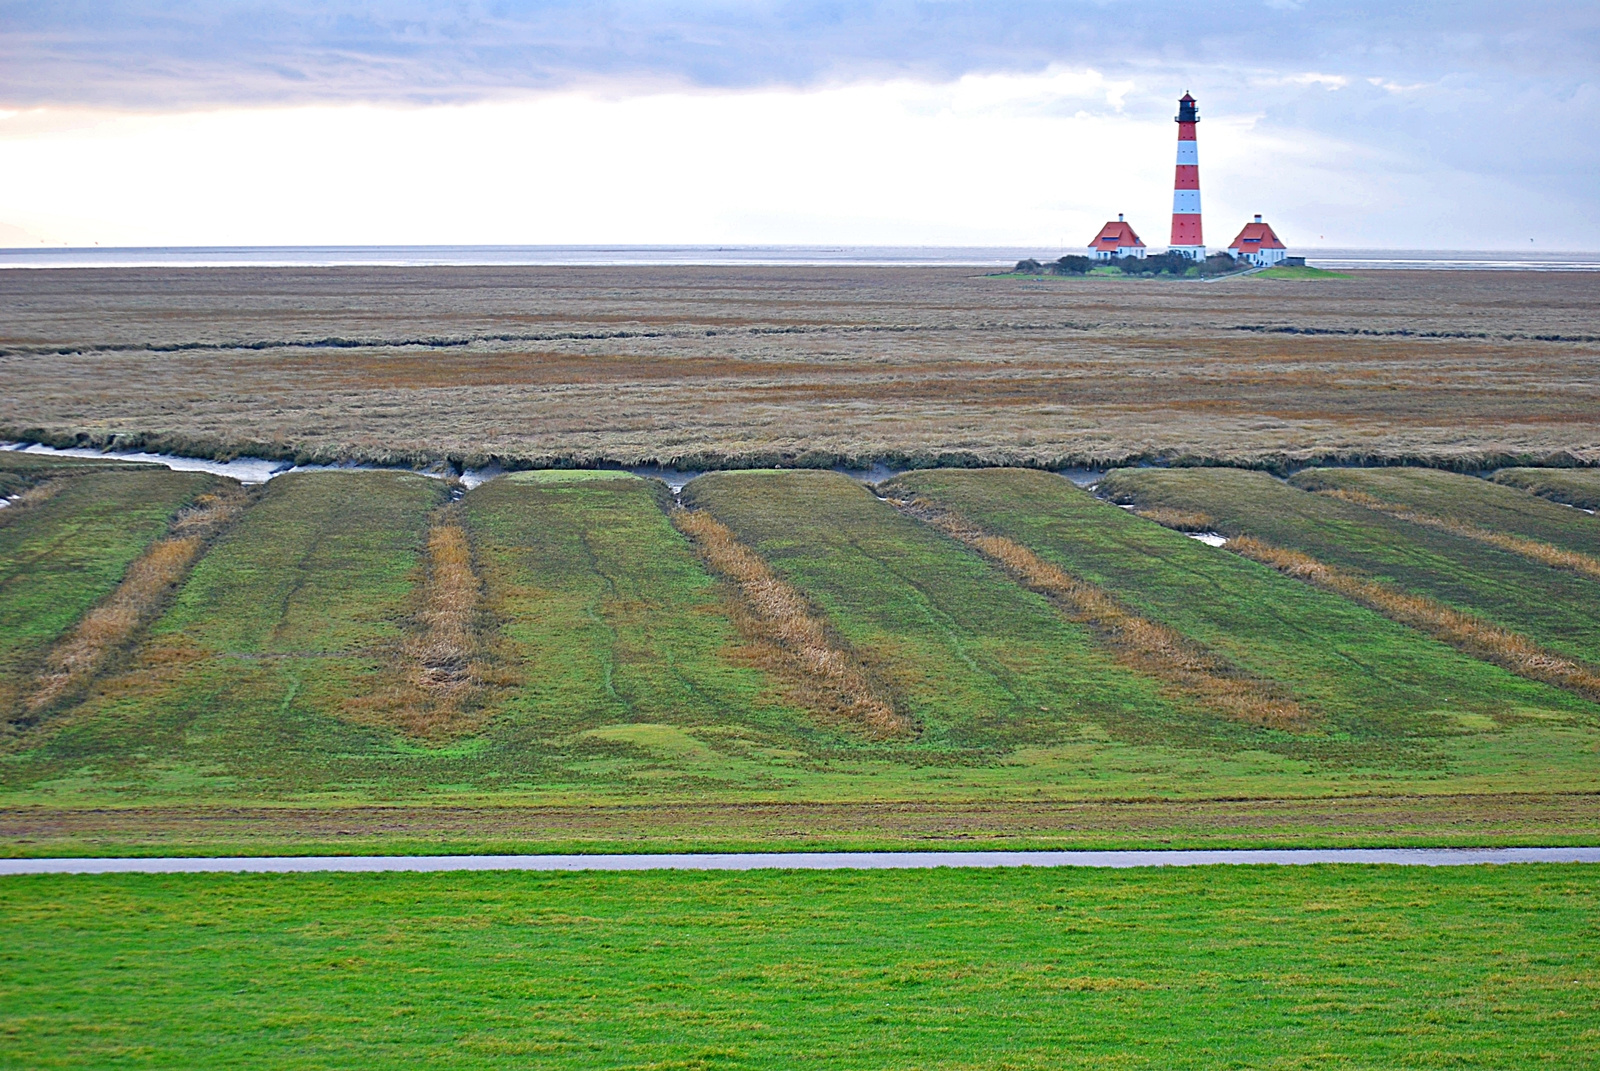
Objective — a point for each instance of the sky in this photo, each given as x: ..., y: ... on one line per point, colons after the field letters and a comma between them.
x: 940, y: 122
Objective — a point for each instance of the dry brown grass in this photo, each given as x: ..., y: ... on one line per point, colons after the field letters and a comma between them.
x: 108, y: 629
x: 29, y: 499
x: 1465, y: 632
x: 1532, y: 549
x: 1150, y: 648
x: 1179, y: 520
x: 751, y: 364
x: 444, y: 675
x: 788, y: 638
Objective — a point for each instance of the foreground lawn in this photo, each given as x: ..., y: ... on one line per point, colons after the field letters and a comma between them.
x: 1329, y: 967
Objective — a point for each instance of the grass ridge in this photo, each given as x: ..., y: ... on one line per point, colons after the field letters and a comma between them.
x: 1532, y: 549
x: 1467, y: 633
x: 1142, y: 644
x: 790, y: 638
x: 110, y: 627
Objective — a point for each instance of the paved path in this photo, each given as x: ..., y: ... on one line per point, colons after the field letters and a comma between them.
x: 794, y: 860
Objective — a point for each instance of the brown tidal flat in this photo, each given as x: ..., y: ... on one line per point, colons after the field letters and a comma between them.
x: 739, y: 366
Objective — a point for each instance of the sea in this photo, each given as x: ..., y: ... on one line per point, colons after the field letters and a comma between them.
x: 714, y: 256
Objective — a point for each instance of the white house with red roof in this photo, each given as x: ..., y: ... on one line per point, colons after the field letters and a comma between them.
x: 1116, y: 239
x: 1258, y: 244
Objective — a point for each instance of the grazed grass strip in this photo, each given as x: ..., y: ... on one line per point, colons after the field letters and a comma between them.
x: 1465, y: 632
x: 1532, y: 549
x: 1145, y: 645
x: 789, y: 637
x: 109, y: 627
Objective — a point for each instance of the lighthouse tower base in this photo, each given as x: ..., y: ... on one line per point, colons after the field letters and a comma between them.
x: 1193, y: 252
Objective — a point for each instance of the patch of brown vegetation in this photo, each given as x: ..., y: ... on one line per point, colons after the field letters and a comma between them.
x: 1179, y: 520
x: 109, y: 628
x: 1146, y: 646
x: 747, y: 365
x: 1367, y: 820
x: 1466, y: 633
x: 1532, y: 549
x: 788, y: 638
x: 441, y: 692
x: 29, y: 499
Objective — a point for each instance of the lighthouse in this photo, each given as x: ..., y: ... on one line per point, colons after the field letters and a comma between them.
x: 1187, y: 239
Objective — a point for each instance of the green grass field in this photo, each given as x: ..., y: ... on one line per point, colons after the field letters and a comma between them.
x: 981, y: 665
x: 621, y: 706
x: 1393, y: 702
x: 60, y: 556
x: 238, y: 690
x: 1496, y: 507
x: 1553, y: 607
x: 1575, y: 487
x: 1329, y: 967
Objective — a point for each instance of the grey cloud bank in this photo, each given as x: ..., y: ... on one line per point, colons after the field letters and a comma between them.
x: 1486, y: 103
x: 182, y: 54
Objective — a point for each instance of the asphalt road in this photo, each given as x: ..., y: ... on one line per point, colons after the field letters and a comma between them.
x: 795, y: 861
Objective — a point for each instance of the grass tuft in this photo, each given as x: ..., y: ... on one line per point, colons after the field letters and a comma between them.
x: 29, y: 499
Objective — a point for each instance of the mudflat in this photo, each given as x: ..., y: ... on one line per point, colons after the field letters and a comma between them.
x: 760, y: 365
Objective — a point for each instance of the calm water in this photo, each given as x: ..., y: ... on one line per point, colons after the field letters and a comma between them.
x: 989, y: 257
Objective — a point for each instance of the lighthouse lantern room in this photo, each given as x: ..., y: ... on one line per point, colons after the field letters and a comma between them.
x: 1187, y: 238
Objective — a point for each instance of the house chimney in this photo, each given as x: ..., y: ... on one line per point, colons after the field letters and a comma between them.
x: 1119, y: 217
x: 1258, y: 217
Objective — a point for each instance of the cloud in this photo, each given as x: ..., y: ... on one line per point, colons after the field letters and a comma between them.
x: 179, y: 53
x: 1396, y: 124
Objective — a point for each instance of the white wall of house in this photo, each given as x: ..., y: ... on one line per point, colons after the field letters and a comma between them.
x: 1263, y: 257
x: 1136, y: 251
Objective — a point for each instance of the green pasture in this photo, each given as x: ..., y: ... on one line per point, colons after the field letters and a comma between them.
x: 982, y: 665
x: 240, y: 687
x: 1574, y: 487
x: 19, y: 470
x: 626, y: 666
x: 1495, y: 506
x: 615, y: 677
x: 1331, y: 967
x: 1391, y: 699
x: 1551, y: 606
x: 62, y: 555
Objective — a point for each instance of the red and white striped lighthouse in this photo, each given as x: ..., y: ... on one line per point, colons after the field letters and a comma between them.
x: 1186, y: 236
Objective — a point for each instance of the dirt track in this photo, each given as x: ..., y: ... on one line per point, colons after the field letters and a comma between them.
x: 1552, y: 818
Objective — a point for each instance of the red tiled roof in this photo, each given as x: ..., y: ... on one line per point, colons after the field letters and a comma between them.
x: 1256, y: 236
x: 1115, y: 235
